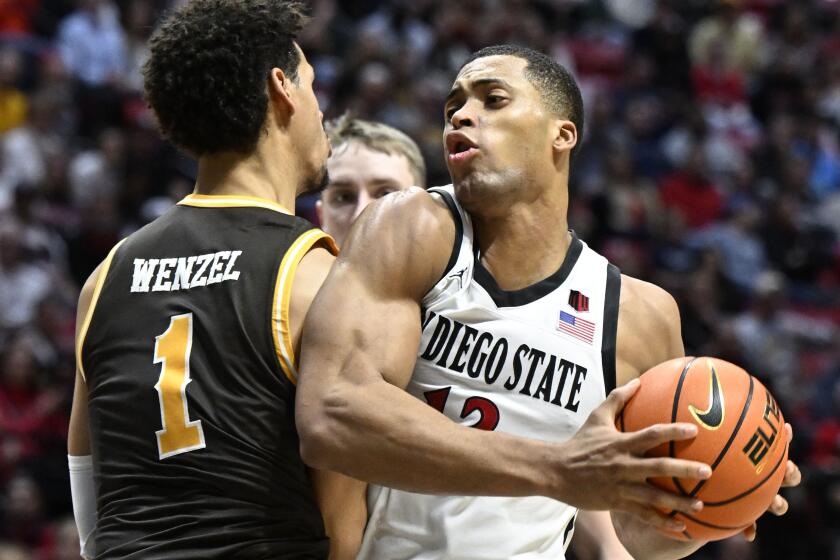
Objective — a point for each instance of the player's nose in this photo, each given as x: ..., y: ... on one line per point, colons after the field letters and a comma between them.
x: 361, y: 204
x: 463, y: 117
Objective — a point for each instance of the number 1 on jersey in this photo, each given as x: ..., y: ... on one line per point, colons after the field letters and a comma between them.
x: 172, y: 351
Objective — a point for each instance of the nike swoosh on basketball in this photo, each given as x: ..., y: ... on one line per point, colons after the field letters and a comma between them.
x: 712, y: 417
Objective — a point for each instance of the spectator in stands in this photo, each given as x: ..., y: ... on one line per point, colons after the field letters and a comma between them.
x: 737, y: 245
x: 22, y: 285
x: 691, y: 194
x: 23, y: 514
x: 92, y: 43
x: 12, y: 100
x: 32, y: 415
x: 25, y: 151
x: 739, y: 33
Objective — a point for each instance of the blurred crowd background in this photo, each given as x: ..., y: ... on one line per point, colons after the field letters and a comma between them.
x: 710, y: 166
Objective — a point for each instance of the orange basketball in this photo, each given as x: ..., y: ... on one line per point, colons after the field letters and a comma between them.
x: 741, y: 436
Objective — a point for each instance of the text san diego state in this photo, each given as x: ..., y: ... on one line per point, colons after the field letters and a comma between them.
x: 530, y: 371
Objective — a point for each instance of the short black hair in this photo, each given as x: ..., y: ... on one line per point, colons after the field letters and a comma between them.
x: 557, y: 86
x: 205, y: 78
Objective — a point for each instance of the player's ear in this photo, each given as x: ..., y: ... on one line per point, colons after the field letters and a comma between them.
x: 280, y: 93
x: 319, y: 211
x: 565, y: 136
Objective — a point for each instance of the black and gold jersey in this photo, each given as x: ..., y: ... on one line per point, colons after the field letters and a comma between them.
x: 191, y: 377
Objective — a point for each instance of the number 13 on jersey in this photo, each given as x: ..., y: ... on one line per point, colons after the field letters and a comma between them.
x: 172, y: 351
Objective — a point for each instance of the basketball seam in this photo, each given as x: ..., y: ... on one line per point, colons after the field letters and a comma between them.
x: 732, y: 437
x: 751, y: 490
x: 675, y: 408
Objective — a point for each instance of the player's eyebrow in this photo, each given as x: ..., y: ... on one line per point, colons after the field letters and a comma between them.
x: 340, y: 182
x: 477, y: 83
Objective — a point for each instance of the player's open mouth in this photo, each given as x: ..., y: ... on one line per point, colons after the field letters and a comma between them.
x: 462, y: 152
x: 460, y: 147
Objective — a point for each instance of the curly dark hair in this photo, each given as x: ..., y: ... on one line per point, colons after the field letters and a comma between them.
x: 206, y: 75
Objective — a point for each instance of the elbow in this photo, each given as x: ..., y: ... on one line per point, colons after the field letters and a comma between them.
x: 319, y: 430
x: 317, y: 448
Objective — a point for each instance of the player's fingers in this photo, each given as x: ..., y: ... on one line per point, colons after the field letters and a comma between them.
x: 666, y: 467
x: 778, y: 506
x: 793, y: 476
x: 648, y: 495
x: 749, y: 532
x: 654, y: 517
x: 789, y: 431
x: 658, y: 434
x: 616, y: 400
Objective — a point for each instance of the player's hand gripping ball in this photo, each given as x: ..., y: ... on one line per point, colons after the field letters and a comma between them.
x: 741, y: 436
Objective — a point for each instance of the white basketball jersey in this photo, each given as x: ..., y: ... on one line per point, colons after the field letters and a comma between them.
x: 532, y: 362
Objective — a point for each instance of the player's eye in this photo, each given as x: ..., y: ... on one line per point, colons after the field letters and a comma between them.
x: 385, y: 191
x: 343, y: 198
x: 452, y: 109
x: 494, y: 99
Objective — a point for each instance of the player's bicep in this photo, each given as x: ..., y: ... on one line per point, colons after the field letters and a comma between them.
x: 78, y: 437
x: 356, y: 331
x: 309, y: 277
x: 649, y: 329
x: 365, y: 322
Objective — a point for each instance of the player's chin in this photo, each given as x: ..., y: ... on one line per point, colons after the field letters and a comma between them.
x: 466, y: 186
x: 318, y: 182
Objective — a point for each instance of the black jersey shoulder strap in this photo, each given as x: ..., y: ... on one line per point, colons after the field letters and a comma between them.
x: 280, y: 324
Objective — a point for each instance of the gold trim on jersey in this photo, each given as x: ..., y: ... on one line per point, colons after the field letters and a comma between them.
x: 228, y: 201
x: 280, y: 327
x: 100, y: 280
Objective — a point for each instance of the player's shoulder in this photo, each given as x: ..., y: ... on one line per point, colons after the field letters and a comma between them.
x: 406, y: 237
x: 411, y: 209
x: 645, y: 304
x: 404, y: 223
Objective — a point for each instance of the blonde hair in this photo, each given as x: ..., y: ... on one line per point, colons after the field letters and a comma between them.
x: 378, y: 137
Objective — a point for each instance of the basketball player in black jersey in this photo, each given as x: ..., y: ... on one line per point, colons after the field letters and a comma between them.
x: 188, y: 332
x: 512, y: 119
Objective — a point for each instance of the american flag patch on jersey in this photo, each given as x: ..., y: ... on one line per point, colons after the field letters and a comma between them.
x: 579, y: 328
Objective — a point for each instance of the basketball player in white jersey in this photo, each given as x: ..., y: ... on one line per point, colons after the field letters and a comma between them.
x: 370, y: 160
x: 478, y: 302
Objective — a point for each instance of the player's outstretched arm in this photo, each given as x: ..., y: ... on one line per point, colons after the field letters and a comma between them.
x: 354, y: 415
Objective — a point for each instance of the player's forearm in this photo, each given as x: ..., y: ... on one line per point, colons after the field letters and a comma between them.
x: 379, y: 433
x: 643, y: 541
x: 595, y: 537
x: 343, y: 504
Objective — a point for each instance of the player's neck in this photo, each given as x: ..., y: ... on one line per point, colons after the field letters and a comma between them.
x: 259, y: 175
x: 525, y: 245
